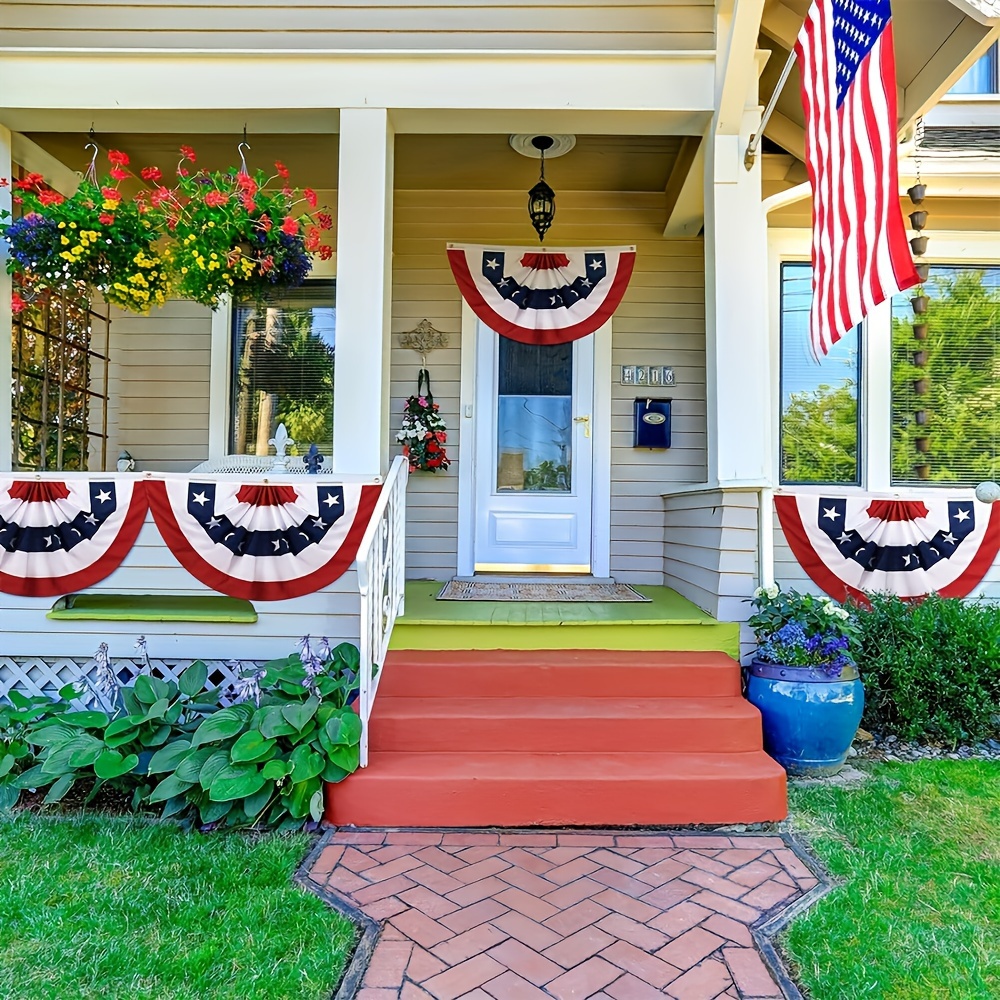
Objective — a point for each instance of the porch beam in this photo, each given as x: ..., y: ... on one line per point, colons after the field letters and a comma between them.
x: 791, y: 137
x: 6, y: 316
x: 685, y: 191
x: 781, y: 24
x: 737, y: 64
x: 28, y: 154
x: 364, y: 292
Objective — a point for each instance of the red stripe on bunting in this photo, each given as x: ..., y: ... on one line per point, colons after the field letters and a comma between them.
x: 248, y: 590
x: 58, y: 586
x: 504, y: 327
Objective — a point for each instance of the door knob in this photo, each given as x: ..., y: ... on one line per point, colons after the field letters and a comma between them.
x: 586, y: 424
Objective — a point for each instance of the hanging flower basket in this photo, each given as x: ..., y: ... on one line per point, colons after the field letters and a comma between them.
x: 232, y: 232
x: 423, y: 433
x: 96, y: 238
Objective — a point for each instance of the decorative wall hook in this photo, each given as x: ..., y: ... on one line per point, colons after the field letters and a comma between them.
x: 423, y: 339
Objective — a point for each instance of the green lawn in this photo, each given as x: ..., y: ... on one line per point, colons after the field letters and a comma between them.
x: 119, y: 909
x: 917, y: 848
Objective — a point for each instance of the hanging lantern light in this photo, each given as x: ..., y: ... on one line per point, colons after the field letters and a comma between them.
x: 541, y: 198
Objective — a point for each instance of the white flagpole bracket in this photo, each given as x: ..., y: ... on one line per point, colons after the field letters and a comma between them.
x: 750, y: 156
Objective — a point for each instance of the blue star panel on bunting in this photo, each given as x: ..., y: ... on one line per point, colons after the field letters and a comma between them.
x: 67, y: 534
x: 557, y: 297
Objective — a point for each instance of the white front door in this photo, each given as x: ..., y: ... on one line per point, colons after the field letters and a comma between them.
x: 534, y: 461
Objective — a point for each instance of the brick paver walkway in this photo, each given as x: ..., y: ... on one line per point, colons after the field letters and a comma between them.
x: 526, y: 915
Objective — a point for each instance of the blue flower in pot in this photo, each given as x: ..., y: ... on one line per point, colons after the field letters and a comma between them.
x: 804, y: 681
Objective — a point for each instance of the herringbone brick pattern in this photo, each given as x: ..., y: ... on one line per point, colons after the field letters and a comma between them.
x: 525, y: 915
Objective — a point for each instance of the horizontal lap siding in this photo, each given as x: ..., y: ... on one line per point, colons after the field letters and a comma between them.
x: 558, y: 24
x: 159, y: 386
x: 150, y: 567
x: 661, y: 321
x: 789, y: 573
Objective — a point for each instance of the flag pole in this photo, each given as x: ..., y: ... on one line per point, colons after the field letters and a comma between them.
x: 750, y: 156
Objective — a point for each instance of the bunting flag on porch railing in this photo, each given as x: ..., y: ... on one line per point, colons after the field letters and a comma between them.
x: 910, y: 548
x: 262, y: 542
x: 57, y: 536
x: 542, y: 296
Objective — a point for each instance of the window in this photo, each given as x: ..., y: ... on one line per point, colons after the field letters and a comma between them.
x: 981, y: 77
x: 60, y: 383
x: 946, y: 385
x: 283, y: 357
x: 820, y: 416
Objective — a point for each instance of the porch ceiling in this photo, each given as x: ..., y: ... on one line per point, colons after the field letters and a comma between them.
x: 423, y: 162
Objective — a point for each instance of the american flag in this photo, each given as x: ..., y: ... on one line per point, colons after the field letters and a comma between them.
x: 860, y: 252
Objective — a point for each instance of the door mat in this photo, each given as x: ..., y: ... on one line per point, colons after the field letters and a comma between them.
x: 484, y: 590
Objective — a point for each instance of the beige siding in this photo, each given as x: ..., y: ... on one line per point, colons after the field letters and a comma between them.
x: 159, y: 386
x: 396, y: 24
x: 710, y: 551
x: 661, y: 321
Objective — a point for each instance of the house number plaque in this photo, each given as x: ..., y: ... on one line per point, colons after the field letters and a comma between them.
x: 657, y: 375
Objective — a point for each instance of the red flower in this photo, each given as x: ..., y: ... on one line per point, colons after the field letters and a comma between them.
x: 17, y: 304
x: 50, y: 197
x: 183, y: 172
x: 282, y: 169
x: 312, y: 239
x: 118, y: 158
x: 119, y: 173
x: 216, y: 198
x: 325, y: 252
x: 188, y: 153
x: 246, y: 183
x: 153, y: 174
x: 325, y: 220
x: 310, y: 196
x: 4, y: 182
x: 105, y: 218
x: 159, y: 196
x: 112, y: 194
x: 289, y: 227
x: 248, y: 203
x: 265, y: 223
x: 30, y: 181
x: 266, y: 264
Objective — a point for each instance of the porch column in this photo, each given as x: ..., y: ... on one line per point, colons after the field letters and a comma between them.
x: 6, y: 317
x: 364, y: 292
x: 738, y: 354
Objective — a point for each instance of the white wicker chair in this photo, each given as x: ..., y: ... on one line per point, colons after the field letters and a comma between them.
x: 259, y: 465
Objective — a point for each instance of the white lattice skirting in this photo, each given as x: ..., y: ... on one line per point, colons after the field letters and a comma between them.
x: 46, y: 675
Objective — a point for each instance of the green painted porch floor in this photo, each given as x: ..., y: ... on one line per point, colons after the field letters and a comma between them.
x: 668, y: 621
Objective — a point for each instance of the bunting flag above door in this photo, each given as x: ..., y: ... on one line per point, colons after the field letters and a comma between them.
x: 262, y: 542
x: 57, y: 536
x: 542, y: 296
x: 910, y: 548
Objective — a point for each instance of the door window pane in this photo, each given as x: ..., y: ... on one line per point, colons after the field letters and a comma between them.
x: 283, y: 357
x: 946, y: 387
x: 820, y: 417
x: 534, y: 416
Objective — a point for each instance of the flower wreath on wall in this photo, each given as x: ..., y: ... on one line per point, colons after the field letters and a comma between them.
x: 424, y: 432
x: 95, y: 237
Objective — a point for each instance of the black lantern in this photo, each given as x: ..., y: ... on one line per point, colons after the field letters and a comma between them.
x: 541, y: 198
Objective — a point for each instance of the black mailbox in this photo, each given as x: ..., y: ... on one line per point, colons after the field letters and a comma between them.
x: 652, y: 423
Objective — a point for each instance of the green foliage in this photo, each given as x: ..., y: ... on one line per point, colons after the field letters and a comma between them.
x: 547, y: 475
x: 775, y: 608
x: 931, y: 667
x: 259, y: 763
x: 819, y: 436
x: 962, y: 375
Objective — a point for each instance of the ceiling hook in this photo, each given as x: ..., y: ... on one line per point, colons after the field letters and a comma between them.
x: 239, y: 149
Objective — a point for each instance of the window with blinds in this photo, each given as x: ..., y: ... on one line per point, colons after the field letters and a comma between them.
x: 283, y: 359
x: 946, y: 379
x: 820, y: 417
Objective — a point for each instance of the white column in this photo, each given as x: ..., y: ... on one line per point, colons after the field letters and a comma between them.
x: 6, y: 352
x: 737, y: 352
x: 364, y: 291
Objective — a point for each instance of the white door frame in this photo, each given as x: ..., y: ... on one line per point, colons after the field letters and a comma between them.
x: 601, y: 430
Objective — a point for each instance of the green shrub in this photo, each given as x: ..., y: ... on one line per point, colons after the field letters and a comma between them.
x: 931, y: 668
x: 173, y: 745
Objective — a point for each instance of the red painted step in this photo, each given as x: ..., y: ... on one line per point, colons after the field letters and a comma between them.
x: 596, y: 789
x: 563, y: 725
x: 557, y: 673
x: 560, y: 738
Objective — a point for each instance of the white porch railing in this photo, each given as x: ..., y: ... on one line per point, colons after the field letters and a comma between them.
x: 381, y: 564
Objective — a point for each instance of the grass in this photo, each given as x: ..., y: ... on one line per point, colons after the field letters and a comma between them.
x: 917, y: 848
x: 110, y: 908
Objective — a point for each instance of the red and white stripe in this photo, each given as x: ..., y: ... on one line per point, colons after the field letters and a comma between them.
x: 860, y: 252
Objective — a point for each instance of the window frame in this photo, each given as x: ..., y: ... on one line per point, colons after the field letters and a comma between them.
x: 875, y: 398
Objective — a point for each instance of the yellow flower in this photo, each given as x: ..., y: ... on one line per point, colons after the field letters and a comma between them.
x: 72, y: 225
x: 64, y: 241
x: 62, y: 225
x: 110, y: 204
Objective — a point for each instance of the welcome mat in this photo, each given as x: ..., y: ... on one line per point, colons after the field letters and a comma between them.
x: 484, y: 590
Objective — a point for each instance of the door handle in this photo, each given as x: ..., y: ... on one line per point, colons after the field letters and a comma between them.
x: 586, y: 424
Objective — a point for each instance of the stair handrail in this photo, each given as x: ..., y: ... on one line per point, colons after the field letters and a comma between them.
x: 381, y: 564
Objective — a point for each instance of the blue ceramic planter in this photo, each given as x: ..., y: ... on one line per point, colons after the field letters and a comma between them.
x: 809, y: 717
